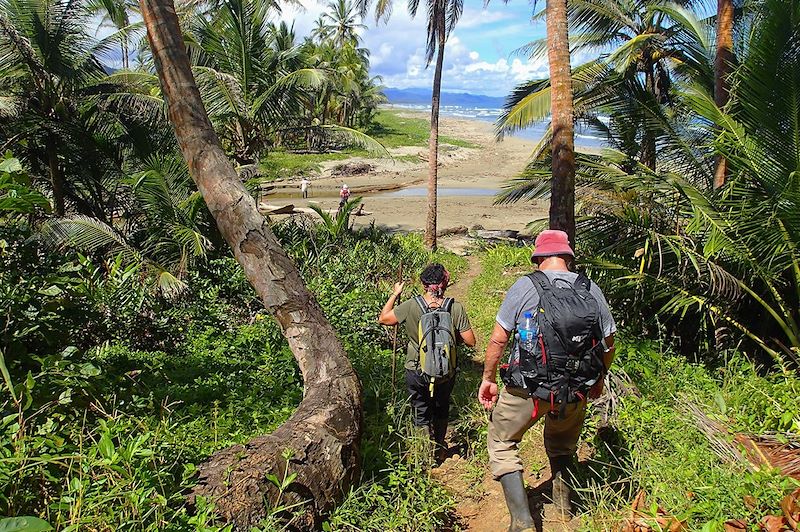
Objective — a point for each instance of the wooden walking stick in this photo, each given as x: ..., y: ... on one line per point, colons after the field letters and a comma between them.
x: 394, y: 337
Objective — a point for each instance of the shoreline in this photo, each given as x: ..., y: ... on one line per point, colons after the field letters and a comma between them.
x: 477, y: 171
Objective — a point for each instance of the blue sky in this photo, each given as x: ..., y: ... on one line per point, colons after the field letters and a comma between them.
x: 479, y: 56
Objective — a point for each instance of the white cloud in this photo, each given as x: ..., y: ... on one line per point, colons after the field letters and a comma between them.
x: 473, y: 18
x: 471, y: 63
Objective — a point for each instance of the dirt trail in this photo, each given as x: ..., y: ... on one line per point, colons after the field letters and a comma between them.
x: 480, y: 505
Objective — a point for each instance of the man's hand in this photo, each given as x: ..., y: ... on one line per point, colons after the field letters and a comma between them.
x: 398, y: 288
x: 487, y: 394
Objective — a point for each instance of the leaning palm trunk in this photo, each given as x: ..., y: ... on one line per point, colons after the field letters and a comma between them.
x: 433, y: 142
x: 562, y: 199
x: 722, y: 68
x: 320, y: 442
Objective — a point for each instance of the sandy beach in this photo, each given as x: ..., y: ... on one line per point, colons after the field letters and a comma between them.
x: 394, y: 190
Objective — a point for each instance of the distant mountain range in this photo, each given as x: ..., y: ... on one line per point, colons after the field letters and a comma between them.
x: 423, y: 97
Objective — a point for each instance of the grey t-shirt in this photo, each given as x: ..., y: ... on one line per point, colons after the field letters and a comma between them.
x: 522, y: 297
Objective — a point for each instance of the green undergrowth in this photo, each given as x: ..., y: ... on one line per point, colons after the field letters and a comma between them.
x: 119, y: 394
x: 501, y: 266
x: 656, y: 443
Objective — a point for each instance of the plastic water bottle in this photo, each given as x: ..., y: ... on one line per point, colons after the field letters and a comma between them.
x: 528, y: 332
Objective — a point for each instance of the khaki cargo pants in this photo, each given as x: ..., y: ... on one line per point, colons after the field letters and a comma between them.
x: 514, y: 414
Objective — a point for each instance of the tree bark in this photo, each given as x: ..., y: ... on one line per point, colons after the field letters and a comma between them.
x: 433, y: 141
x: 648, y: 139
x: 722, y: 66
x: 56, y: 177
x: 322, y: 436
x: 562, y: 199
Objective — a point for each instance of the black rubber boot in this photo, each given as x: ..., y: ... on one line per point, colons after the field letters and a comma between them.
x: 438, y: 432
x: 560, y: 466
x: 517, y: 502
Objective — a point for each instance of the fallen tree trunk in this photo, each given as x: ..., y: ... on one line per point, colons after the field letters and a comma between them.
x: 457, y: 230
x: 321, y: 439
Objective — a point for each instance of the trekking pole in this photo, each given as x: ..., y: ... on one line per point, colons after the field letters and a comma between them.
x: 394, y: 337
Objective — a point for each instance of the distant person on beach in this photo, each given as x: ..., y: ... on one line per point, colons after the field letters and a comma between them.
x: 434, y: 325
x: 563, y: 345
x: 344, y: 195
x: 304, y: 184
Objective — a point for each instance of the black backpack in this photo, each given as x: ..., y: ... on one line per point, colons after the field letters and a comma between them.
x: 567, y: 358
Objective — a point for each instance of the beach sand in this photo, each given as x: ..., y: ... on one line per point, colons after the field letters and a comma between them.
x: 468, y: 179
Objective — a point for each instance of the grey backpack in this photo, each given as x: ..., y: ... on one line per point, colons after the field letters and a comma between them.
x: 437, y: 341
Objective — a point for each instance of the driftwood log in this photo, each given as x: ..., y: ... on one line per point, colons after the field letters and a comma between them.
x: 322, y: 437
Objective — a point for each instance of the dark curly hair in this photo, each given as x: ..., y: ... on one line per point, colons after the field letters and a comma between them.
x: 434, y: 279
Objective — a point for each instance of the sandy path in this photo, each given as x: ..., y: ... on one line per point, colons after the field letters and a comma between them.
x: 463, y: 169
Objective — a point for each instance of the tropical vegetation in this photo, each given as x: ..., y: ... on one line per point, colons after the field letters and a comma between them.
x: 134, y: 346
x: 717, y: 266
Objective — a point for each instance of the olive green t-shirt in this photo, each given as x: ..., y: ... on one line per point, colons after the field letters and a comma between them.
x: 408, y: 312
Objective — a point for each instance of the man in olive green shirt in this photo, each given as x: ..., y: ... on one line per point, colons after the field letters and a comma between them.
x: 430, y: 411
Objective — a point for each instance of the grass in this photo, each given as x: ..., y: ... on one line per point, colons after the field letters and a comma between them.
x: 393, y: 130
x: 501, y: 266
x: 388, y: 128
x: 284, y: 165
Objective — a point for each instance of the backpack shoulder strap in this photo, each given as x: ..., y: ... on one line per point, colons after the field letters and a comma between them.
x: 541, y: 282
x: 447, y: 304
x: 422, y: 304
x: 582, y: 282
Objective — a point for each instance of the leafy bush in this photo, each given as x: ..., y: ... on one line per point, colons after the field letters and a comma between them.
x: 658, y: 447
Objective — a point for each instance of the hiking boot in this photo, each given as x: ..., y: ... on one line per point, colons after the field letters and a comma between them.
x: 560, y: 468
x: 439, y: 431
x: 517, y: 502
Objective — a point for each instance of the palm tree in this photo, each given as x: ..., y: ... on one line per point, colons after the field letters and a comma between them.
x: 443, y: 16
x: 116, y: 13
x: 722, y: 66
x: 329, y: 417
x: 613, y: 96
x: 699, y: 258
x: 340, y: 24
x: 562, y: 199
x: 650, y: 43
x: 49, y: 70
x: 163, y: 232
x: 252, y: 75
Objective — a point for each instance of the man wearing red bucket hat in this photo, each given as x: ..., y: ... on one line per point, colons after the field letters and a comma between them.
x: 562, y: 336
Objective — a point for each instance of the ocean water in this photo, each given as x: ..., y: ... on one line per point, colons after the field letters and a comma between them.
x: 583, y: 136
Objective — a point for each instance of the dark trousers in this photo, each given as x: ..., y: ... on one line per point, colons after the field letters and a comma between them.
x: 427, y: 409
